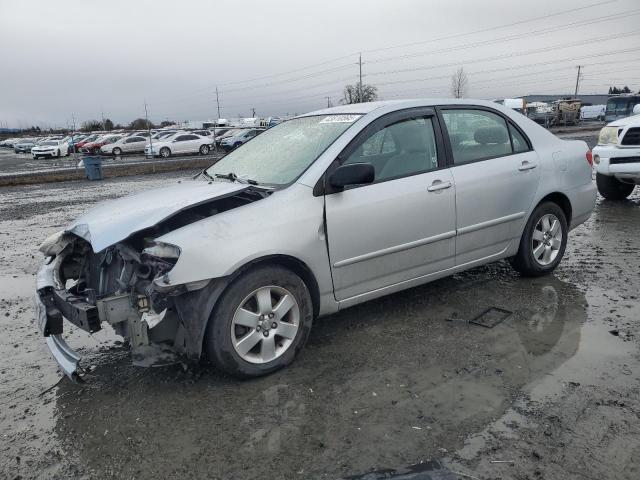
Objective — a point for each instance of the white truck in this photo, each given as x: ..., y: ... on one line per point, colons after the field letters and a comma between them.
x: 617, y: 157
x: 592, y: 112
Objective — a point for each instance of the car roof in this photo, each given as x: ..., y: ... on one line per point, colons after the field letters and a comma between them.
x: 364, y: 108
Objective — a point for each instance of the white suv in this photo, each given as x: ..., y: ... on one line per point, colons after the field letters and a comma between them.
x: 617, y: 157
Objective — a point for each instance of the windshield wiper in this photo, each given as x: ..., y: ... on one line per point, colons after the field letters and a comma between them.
x: 204, y: 173
x: 234, y: 178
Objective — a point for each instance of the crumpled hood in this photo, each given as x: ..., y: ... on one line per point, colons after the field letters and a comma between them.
x: 114, y: 220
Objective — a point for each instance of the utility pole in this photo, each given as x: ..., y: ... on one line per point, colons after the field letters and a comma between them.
x: 253, y: 113
x: 577, y: 81
x: 73, y: 144
x: 102, y: 118
x: 328, y: 102
x: 218, y: 102
x: 360, y: 84
x: 146, y: 116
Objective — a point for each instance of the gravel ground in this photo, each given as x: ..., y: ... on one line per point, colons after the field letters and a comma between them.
x: 552, y: 391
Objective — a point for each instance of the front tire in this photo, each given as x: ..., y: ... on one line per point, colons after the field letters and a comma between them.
x: 116, y: 151
x: 58, y: 154
x: 165, y: 152
x: 204, y: 149
x: 260, y: 322
x: 613, y: 189
x: 543, y: 241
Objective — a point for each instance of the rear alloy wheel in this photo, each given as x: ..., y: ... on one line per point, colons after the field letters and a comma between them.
x: 117, y: 151
x: 260, y: 323
x: 165, y: 152
x: 543, y: 241
x: 204, y: 149
x: 613, y: 189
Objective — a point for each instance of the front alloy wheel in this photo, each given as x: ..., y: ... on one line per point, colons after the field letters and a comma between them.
x: 165, y: 152
x: 204, y: 149
x: 265, y: 324
x: 117, y: 151
x: 260, y: 322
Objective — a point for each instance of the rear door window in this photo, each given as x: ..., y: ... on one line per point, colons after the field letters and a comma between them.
x: 476, y: 135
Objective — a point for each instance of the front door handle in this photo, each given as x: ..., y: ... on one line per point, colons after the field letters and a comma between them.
x: 527, y: 165
x: 439, y: 185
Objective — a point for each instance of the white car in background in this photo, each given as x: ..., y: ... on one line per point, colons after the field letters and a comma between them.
x: 180, y: 143
x: 234, y: 141
x: 617, y: 157
x: 51, y: 148
x: 135, y: 143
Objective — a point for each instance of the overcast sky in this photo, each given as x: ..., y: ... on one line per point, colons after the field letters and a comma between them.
x: 83, y: 57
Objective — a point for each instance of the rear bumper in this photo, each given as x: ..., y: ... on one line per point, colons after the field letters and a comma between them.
x: 583, y: 201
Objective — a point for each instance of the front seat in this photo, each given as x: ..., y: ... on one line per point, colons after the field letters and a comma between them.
x: 413, y: 155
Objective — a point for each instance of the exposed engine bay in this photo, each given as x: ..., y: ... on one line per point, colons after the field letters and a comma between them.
x: 124, y: 285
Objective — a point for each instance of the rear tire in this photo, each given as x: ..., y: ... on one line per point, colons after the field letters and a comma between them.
x: 613, y: 189
x: 224, y: 332
x: 537, y: 241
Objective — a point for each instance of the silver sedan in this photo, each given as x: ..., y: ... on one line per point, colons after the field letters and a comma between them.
x: 320, y: 213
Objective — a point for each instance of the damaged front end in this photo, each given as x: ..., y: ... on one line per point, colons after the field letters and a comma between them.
x: 126, y: 286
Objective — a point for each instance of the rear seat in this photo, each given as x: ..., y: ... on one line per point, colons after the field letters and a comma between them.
x: 489, y: 142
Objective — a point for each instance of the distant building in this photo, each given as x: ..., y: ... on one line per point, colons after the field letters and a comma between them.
x: 586, y: 99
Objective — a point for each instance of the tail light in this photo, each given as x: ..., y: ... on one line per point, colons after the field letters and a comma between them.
x: 590, y: 158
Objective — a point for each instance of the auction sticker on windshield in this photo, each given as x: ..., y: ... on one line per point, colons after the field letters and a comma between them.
x: 340, y: 119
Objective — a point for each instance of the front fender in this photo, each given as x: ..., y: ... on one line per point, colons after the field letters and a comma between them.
x: 288, y: 222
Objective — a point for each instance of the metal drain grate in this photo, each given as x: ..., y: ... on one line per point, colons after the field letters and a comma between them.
x: 491, y: 317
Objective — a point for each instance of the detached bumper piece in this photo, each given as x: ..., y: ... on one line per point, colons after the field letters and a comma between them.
x: 67, y: 358
x: 49, y: 322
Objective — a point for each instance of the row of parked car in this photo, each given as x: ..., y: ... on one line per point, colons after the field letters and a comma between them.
x: 162, y: 143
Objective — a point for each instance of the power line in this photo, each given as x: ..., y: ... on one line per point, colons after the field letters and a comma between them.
x: 311, y: 95
x: 515, y: 54
x: 448, y: 37
x: 517, y: 36
x: 484, y: 30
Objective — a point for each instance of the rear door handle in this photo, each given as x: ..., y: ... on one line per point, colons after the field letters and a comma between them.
x: 439, y: 185
x: 527, y: 165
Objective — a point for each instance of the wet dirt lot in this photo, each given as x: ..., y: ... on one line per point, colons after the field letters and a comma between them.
x: 551, y: 392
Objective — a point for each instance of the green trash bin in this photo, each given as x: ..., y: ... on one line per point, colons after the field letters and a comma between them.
x: 93, y: 167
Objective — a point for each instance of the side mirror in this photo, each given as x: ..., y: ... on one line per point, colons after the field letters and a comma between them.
x: 352, y: 174
x: 636, y: 109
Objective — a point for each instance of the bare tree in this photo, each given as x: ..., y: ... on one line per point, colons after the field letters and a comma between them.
x: 459, y: 83
x: 352, y: 93
x: 91, y: 125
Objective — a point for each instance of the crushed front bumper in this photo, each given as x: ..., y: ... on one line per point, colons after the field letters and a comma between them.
x: 49, y: 323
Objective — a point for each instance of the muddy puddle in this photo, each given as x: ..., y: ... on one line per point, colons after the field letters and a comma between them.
x: 385, y: 386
